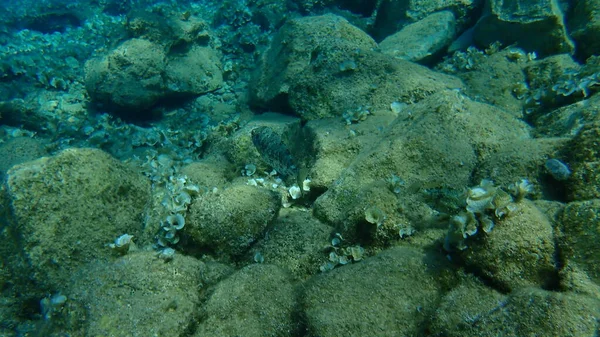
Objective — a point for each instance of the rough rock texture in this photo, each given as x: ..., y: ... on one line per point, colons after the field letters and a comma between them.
x: 322, y: 66
x: 472, y: 310
x: 130, y: 77
x: 209, y: 172
x: 580, y: 227
x: 295, y: 243
x: 19, y: 150
x: 70, y: 206
x: 231, y: 220
x: 493, y: 79
x: 518, y: 252
x: 536, y: 26
x: 258, y: 300
x: 437, y: 145
x: 521, y: 159
x: 422, y: 39
x: 392, y: 15
x: 137, y: 295
x: 569, y: 120
x: 584, y: 25
x: 584, y: 162
x: 137, y: 74
x: 334, y: 145
x: 195, y: 72
x: 390, y: 294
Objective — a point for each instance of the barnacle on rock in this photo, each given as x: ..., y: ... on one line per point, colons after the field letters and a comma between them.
x: 486, y: 203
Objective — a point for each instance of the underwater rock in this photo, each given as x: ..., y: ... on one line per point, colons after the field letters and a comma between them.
x: 75, y: 201
x: 584, y: 27
x: 472, y: 310
x: 333, y: 147
x: 130, y: 77
x: 322, y: 66
x: 230, y: 221
x: 423, y: 39
x: 508, y: 164
x: 391, y: 15
x: 295, y: 243
x: 438, y: 148
x: 136, y: 75
x: 536, y: 26
x: 19, y: 150
x: 580, y: 227
x: 136, y: 295
x: 584, y: 161
x: 258, y: 300
x: 567, y: 121
x: 519, y: 252
x: 196, y: 72
x: 392, y: 293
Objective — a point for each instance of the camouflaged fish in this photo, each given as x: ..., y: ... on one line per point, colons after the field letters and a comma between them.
x: 274, y: 151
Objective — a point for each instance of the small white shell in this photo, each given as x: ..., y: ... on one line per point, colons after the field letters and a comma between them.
x: 306, y: 185
x: 295, y: 192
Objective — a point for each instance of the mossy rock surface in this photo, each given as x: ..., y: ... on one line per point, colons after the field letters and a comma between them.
x: 580, y: 227
x: 256, y: 301
x: 68, y: 207
x: 517, y: 253
x: 228, y: 222
x: 390, y: 294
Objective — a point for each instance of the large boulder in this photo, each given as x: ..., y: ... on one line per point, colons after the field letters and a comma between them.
x: 258, y: 300
x: 130, y: 77
x: 68, y: 207
x: 231, y: 220
x: 322, y: 66
x: 536, y: 26
x: 138, y: 74
x: 390, y: 294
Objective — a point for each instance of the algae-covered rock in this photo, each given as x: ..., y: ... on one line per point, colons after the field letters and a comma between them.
x: 580, y: 227
x: 69, y: 206
x: 130, y: 77
x: 472, y: 310
x: 196, y: 72
x: 536, y: 26
x: 567, y: 121
x: 295, y: 243
x: 518, y: 252
x: 393, y: 14
x: 19, y: 150
x: 136, y: 295
x: 494, y: 77
x: 422, y: 39
x: 334, y: 145
x: 584, y: 25
x: 209, y: 172
x: 390, y: 294
x: 258, y: 300
x: 584, y: 162
x: 231, y: 220
x: 137, y: 74
x: 523, y: 159
x: 322, y: 66
x: 437, y: 146
x: 466, y: 309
